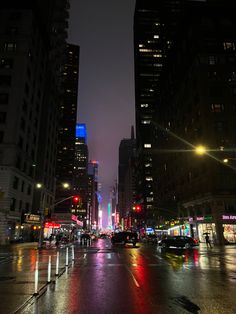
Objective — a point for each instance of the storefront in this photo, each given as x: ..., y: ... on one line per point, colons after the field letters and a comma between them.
x: 201, y: 226
x: 229, y: 226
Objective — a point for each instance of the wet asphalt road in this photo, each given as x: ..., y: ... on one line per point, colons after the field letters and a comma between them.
x: 106, y: 279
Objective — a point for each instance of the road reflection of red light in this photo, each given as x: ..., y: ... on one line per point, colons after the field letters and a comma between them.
x: 191, y: 256
x: 144, y: 277
x: 33, y: 258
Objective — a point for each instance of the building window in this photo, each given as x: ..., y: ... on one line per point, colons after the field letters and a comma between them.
x: 4, y: 97
x: 10, y: 47
x: 29, y: 190
x: 15, y: 183
x: 229, y: 46
x: 13, y: 204
x: 1, y: 136
x: 3, y: 116
x: 217, y: 108
x: 212, y: 60
x: 149, y: 179
x: 5, y: 80
x: 145, y: 121
x: 22, y: 186
x: 147, y: 145
x: 6, y: 63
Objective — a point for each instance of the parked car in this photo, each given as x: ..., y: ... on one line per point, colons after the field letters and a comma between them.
x: 124, y: 237
x: 178, y: 242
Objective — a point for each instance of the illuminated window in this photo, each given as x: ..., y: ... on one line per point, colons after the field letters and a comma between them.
x: 229, y: 46
x: 212, y: 60
x: 145, y: 50
x: 10, y: 46
x: 144, y: 105
x: 149, y: 178
x: 145, y: 121
x: 148, y: 165
x: 147, y: 145
x: 156, y: 36
x: 149, y: 199
x: 157, y: 56
x: 217, y: 107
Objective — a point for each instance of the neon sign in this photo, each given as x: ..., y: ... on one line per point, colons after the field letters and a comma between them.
x: 230, y: 217
x: 52, y: 225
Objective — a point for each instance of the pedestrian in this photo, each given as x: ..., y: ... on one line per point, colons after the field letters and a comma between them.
x: 207, y: 238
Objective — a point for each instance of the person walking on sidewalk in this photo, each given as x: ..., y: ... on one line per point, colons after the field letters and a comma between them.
x: 207, y: 238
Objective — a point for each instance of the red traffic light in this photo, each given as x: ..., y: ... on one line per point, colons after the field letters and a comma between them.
x: 137, y: 208
x: 75, y: 199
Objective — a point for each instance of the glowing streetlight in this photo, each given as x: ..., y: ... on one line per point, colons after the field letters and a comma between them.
x: 65, y: 185
x: 200, y: 150
x: 39, y: 185
x: 226, y: 160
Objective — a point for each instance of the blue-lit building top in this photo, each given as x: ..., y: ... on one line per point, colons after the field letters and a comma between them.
x: 81, y: 131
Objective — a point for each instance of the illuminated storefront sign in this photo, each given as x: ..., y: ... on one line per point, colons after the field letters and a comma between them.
x: 74, y: 218
x: 52, y: 225
x: 230, y: 217
x: 200, y: 218
x: 30, y: 218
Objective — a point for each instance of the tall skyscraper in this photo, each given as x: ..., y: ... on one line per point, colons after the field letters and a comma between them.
x: 126, y: 198
x: 92, y: 196
x: 80, y: 185
x: 32, y: 37
x: 198, y: 107
x: 155, y: 26
x: 67, y: 126
x: 166, y: 42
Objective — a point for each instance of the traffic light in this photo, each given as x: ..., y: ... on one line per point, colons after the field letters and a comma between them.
x: 75, y: 199
x: 137, y: 208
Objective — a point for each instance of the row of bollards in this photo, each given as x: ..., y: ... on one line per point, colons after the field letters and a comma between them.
x: 85, y: 241
x: 36, y: 274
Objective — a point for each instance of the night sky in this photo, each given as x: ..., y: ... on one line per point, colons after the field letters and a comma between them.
x: 104, y: 31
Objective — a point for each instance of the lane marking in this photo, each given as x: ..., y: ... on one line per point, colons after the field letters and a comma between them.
x: 132, y: 275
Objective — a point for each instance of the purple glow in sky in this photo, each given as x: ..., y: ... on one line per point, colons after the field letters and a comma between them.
x: 104, y: 31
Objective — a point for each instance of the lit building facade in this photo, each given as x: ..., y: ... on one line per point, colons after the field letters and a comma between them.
x: 80, y: 185
x: 198, y: 107
x: 32, y: 37
x: 67, y: 126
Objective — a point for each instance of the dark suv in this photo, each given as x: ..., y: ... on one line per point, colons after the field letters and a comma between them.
x: 125, y: 237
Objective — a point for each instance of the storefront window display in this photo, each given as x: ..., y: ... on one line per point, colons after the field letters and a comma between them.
x: 230, y: 233
x: 207, y: 228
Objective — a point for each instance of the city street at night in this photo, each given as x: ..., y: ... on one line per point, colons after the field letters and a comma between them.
x: 116, y: 279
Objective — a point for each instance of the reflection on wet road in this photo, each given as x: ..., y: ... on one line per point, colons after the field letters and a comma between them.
x: 106, y: 279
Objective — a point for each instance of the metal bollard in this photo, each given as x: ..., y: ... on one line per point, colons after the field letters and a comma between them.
x: 73, y: 252
x: 57, y: 265
x: 36, y: 278
x: 49, y: 268
x: 67, y: 256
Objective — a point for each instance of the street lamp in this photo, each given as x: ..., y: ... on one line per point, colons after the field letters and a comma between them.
x: 200, y: 150
x: 40, y: 242
x: 66, y: 185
